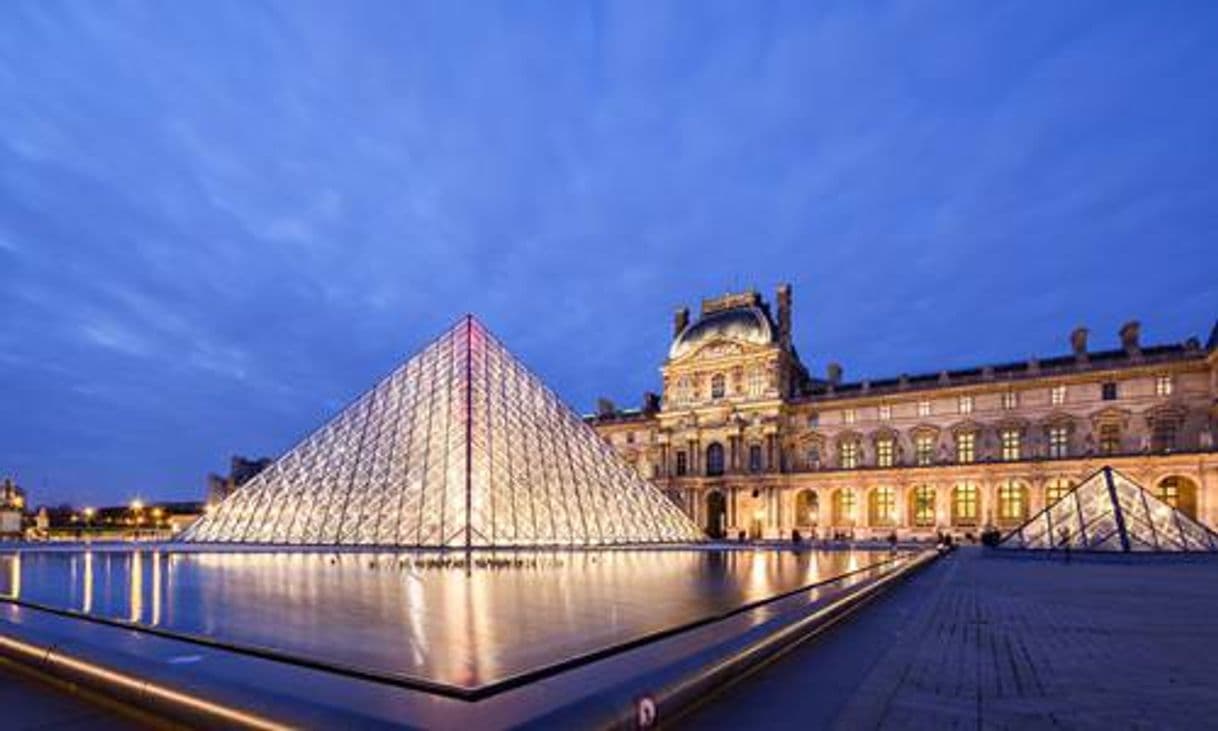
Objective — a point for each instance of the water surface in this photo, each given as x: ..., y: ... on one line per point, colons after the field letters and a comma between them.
x: 430, y: 616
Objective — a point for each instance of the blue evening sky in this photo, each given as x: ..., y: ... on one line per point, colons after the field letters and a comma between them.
x: 219, y: 221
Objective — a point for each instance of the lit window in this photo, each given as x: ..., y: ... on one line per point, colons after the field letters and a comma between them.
x: 1108, y: 391
x: 1110, y: 439
x: 1163, y: 385
x: 1169, y: 491
x: 682, y: 464
x: 885, y: 412
x: 718, y: 386
x: 1011, y: 502
x: 923, y: 408
x: 850, y: 455
x: 1056, y: 490
x: 883, y: 452
x: 755, y: 458
x: 848, y: 416
x: 1010, y: 445
x: 966, y: 447
x: 1059, y: 442
x: 1057, y: 395
x: 843, y: 507
x: 924, y: 505
x: 883, y: 506
x: 924, y: 449
x: 965, y: 404
x: 964, y: 504
x: 1010, y: 400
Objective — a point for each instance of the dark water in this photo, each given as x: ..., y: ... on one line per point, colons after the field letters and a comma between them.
x: 417, y: 615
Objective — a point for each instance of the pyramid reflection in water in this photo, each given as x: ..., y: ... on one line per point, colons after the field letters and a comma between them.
x: 459, y: 447
x: 1110, y: 512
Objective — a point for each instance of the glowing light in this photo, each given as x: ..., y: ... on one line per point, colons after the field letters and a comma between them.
x: 137, y: 505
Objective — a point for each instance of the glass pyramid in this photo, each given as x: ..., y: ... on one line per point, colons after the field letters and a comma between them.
x: 459, y: 447
x: 1110, y: 512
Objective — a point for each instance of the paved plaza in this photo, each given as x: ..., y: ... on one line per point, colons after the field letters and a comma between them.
x: 978, y: 641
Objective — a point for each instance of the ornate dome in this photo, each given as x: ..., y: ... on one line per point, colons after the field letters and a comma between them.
x: 747, y: 324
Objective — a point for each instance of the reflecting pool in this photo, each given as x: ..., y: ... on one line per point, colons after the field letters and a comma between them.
x: 447, y: 618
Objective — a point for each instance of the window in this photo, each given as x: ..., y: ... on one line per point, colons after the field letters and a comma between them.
x: 683, y: 390
x: 1057, y: 395
x: 1108, y: 391
x: 630, y: 437
x: 1163, y: 385
x: 806, y: 508
x: 754, y: 458
x: 883, y: 452
x: 1010, y: 400
x: 813, y: 458
x: 966, y: 447
x: 813, y: 420
x: 923, y: 408
x: 1012, y: 502
x: 883, y: 506
x: 924, y: 449
x: 1059, y: 442
x: 965, y: 404
x: 1010, y: 445
x: 1169, y: 491
x: 923, y: 505
x: 718, y: 386
x: 885, y: 412
x: 682, y: 464
x: 1163, y: 435
x: 756, y: 382
x: 850, y: 455
x: 1057, y: 489
x: 714, y: 459
x: 843, y: 507
x: 1180, y: 493
x: 848, y: 416
x: 964, y: 504
x: 1110, y: 439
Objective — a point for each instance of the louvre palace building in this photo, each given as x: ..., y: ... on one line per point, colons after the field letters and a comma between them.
x: 747, y: 441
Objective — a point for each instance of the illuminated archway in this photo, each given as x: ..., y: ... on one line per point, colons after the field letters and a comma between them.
x: 1179, y: 492
x: 807, y: 506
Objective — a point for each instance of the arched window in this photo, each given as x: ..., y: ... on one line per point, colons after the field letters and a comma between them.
x: 1056, y: 489
x: 718, y: 386
x: 843, y: 507
x: 1012, y: 502
x: 882, y: 506
x: 806, y: 508
x: 922, y: 505
x: 714, y: 459
x: 1180, y: 493
x: 964, y: 504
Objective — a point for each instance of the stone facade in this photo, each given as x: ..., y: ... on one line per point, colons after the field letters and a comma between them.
x: 746, y: 441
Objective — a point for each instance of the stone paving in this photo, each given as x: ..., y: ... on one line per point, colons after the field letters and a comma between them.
x: 1007, y: 643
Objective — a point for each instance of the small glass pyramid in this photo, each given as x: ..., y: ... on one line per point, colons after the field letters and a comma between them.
x: 461, y: 446
x: 1110, y: 512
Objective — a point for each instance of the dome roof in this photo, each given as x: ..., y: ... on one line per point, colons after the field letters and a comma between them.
x: 747, y: 324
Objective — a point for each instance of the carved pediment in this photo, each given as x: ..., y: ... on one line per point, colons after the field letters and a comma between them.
x: 1111, y: 415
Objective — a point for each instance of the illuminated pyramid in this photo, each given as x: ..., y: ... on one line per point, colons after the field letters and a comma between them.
x: 459, y: 447
x: 1110, y: 512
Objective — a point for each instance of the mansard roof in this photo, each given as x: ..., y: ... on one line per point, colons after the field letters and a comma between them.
x: 1006, y: 372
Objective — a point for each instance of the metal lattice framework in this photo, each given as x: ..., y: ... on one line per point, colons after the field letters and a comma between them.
x: 461, y: 446
x: 1110, y: 512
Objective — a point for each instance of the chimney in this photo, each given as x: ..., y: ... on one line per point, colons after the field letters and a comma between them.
x: 680, y: 321
x: 605, y: 408
x: 1129, y: 338
x: 651, y: 402
x: 784, y: 315
x: 834, y: 373
x: 1078, y: 343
